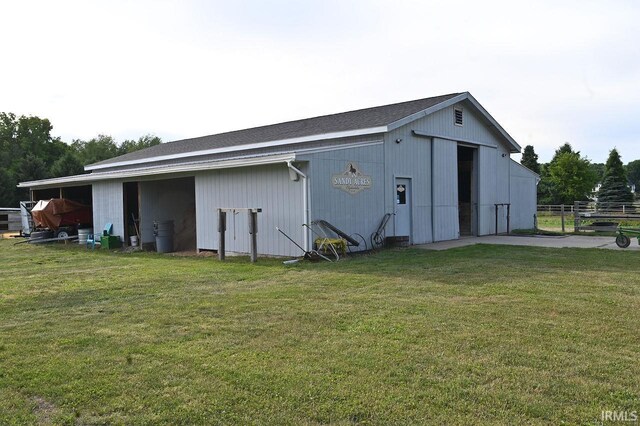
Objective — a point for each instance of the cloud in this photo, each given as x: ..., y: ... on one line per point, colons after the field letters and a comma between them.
x: 549, y: 72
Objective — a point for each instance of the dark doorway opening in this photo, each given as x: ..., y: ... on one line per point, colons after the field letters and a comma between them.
x: 170, y: 200
x: 131, y: 210
x: 45, y: 194
x: 467, y: 202
x: 81, y: 194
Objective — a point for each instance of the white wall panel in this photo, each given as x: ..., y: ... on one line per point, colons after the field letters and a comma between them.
x: 108, y: 206
x: 408, y: 156
x: 523, y: 197
x: 266, y: 187
x: 446, y: 223
x: 487, y: 189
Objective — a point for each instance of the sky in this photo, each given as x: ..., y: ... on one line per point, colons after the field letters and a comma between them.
x: 549, y: 72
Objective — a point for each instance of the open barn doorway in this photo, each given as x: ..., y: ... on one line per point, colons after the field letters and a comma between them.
x: 131, y: 196
x: 169, y: 200
x: 468, y: 190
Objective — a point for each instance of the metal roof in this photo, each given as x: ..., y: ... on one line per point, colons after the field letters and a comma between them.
x: 368, y: 118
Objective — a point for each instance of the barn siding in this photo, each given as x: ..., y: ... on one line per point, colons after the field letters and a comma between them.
x: 503, y: 185
x: 410, y: 158
x: 441, y: 123
x: 487, y: 187
x: 267, y: 187
x: 108, y: 206
x: 352, y: 213
x: 446, y: 223
x: 523, y: 196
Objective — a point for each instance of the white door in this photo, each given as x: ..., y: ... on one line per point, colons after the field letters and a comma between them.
x: 403, y: 207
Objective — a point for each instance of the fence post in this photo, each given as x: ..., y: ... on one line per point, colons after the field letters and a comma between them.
x: 253, y: 230
x: 222, y: 227
x: 576, y: 216
x: 562, y: 215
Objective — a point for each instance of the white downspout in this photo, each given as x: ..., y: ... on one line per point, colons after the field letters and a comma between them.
x: 305, y: 202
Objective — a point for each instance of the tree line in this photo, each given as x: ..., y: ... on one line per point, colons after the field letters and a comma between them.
x: 29, y: 152
x: 570, y: 177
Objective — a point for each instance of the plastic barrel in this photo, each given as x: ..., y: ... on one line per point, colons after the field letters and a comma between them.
x: 83, y: 234
x: 163, y: 231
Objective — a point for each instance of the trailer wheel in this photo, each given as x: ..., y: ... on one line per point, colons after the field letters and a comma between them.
x: 623, y: 241
x: 62, y: 233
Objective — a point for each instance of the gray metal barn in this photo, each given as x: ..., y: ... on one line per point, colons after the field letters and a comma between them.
x: 441, y: 165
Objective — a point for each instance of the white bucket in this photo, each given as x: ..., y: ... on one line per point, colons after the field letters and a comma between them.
x: 134, y: 241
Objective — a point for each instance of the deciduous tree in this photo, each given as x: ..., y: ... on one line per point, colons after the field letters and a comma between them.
x: 567, y: 178
x: 633, y: 173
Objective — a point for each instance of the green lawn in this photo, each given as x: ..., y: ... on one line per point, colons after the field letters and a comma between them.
x: 482, y: 334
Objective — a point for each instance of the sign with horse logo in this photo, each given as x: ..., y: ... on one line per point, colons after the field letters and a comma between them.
x: 352, y: 180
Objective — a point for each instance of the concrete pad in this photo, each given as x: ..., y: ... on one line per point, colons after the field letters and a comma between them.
x: 570, y: 241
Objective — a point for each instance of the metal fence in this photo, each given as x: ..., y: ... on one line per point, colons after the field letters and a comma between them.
x: 582, y: 215
x: 590, y: 206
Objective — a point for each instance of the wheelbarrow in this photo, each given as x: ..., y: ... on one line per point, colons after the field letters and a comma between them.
x: 623, y: 239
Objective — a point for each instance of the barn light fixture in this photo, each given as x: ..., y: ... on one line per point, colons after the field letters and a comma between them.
x: 398, y: 140
x: 504, y: 155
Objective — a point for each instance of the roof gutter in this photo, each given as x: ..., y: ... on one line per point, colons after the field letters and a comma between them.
x: 89, y: 178
x: 305, y: 202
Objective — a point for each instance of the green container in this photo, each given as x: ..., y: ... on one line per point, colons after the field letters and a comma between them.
x: 110, y: 242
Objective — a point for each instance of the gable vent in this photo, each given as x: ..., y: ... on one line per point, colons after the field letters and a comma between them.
x: 457, y: 112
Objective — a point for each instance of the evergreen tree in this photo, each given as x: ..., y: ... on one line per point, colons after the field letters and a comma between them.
x: 614, y: 190
x: 545, y: 189
x: 598, y: 170
x: 8, y: 196
x: 67, y: 165
x: 530, y: 159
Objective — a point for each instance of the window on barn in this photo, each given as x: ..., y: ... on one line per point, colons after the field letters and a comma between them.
x: 401, y: 194
x: 457, y: 112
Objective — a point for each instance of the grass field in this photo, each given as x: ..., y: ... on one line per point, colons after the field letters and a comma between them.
x: 476, y: 335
